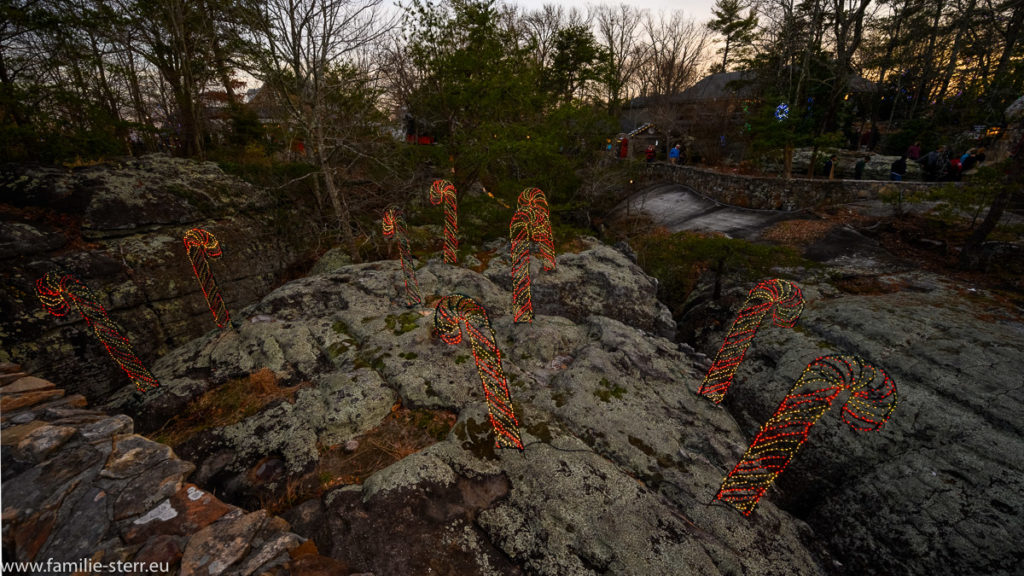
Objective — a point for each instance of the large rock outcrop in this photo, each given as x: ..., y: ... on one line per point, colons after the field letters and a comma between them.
x: 622, y: 458
x: 937, y: 490
x: 83, y: 494
x: 118, y: 228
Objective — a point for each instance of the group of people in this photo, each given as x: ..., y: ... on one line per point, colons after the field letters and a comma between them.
x: 938, y: 165
x: 858, y: 168
x: 676, y: 154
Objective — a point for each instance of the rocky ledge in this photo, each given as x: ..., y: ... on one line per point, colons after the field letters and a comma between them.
x: 622, y: 458
x: 118, y: 228
x: 79, y: 486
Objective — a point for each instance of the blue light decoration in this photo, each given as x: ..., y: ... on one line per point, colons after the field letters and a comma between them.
x: 782, y: 112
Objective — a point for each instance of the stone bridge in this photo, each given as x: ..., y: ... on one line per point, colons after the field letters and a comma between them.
x: 773, y: 193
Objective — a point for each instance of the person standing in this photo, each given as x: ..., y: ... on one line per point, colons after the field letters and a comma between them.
x: 650, y: 153
x: 968, y: 160
x: 934, y: 164
x: 858, y: 168
x: 914, y: 151
x: 898, y: 169
x: 954, y: 170
x: 830, y: 167
x: 673, y: 154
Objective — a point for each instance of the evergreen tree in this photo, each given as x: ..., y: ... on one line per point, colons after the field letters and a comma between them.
x: 730, y: 22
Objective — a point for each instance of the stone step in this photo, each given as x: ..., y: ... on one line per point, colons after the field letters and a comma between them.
x: 16, y: 401
x: 10, y: 377
x: 80, y: 476
x: 26, y: 384
x: 9, y: 367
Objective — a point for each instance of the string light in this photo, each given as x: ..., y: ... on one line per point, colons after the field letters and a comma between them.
x: 456, y: 315
x: 444, y: 191
x: 394, y: 225
x: 59, y: 292
x: 786, y: 302
x: 871, y: 402
x: 201, y: 246
x: 531, y: 224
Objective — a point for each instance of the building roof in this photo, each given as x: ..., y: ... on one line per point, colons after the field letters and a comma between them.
x: 730, y: 85
x: 718, y: 86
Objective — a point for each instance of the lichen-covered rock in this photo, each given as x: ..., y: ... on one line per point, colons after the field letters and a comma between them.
x: 337, y: 409
x: 118, y: 228
x: 937, y: 488
x: 598, y: 280
x: 622, y: 458
x: 111, y: 497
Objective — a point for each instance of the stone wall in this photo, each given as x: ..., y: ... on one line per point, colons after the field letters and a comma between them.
x: 774, y: 193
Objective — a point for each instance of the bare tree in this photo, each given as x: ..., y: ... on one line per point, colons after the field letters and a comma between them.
x: 310, y: 55
x: 617, y: 31
x: 541, y: 29
x: 673, y: 50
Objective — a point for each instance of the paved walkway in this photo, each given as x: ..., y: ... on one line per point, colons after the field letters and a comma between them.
x: 677, y: 207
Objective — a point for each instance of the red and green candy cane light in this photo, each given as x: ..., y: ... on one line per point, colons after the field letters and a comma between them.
x: 785, y: 301
x: 531, y: 225
x: 443, y: 191
x: 458, y: 315
x: 393, y: 224
x: 60, y: 292
x: 201, y: 247
x: 872, y: 400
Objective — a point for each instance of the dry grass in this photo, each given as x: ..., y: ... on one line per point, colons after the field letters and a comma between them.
x: 485, y: 259
x: 402, y: 433
x: 227, y: 404
x: 798, y: 233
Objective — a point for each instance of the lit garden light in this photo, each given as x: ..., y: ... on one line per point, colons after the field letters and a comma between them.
x: 444, y: 191
x: 393, y: 225
x: 782, y: 112
x: 202, y: 246
x: 870, y: 404
x: 531, y: 225
x: 785, y: 301
x: 59, y: 292
x: 457, y: 315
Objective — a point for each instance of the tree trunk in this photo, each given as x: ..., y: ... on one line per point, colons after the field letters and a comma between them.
x: 970, y: 255
x: 971, y: 252
x: 191, y: 140
x: 340, y: 207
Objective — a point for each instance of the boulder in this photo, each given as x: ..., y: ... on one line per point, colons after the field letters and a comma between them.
x: 93, y: 495
x: 118, y: 228
x: 938, y: 487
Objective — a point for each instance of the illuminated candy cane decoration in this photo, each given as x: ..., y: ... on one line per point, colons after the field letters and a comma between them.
x: 59, y: 292
x: 444, y: 191
x: 540, y: 224
x: 531, y: 224
x: 394, y: 225
x: 871, y: 402
x: 457, y: 315
x: 202, y: 246
x: 786, y: 302
x: 522, y: 301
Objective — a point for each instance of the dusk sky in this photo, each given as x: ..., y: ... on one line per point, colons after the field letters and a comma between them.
x: 699, y: 10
